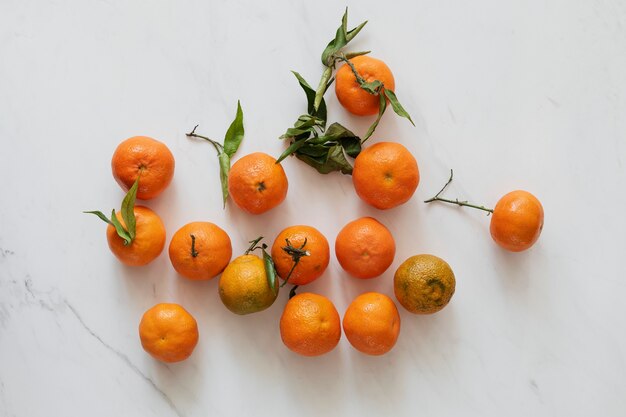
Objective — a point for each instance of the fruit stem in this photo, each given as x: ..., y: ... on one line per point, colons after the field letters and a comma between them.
x: 194, y: 252
x: 296, y: 254
x: 455, y: 201
x: 292, y: 293
x: 218, y: 147
x: 253, y: 245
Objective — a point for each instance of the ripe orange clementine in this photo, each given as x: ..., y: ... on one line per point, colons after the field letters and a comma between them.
x: 257, y: 183
x: 385, y: 175
x: 168, y: 332
x: 200, y: 250
x: 517, y: 221
x: 309, y: 245
x: 148, y: 242
x: 145, y: 156
x: 310, y: 325
x: 350, y: 94
x: 372, y: 323
x: 365, y: 248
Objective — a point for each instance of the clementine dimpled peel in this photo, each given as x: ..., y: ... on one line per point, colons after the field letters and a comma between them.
x: 200, y: 250
x: 168, y: 332
x: 385, y: 175
x: 365, y: 248
x: 148, y: 157
x: 301, y: 254
x: 310, y: 325
x: 516, y: 221
x: 257, y: 183
x: 372, y: 323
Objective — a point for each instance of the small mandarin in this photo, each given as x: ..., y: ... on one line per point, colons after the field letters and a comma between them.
x: 517, y: 221
x: 148, y: 157
x: 306, y: 241
x: 372, y: 323
x: 365, y: 248
x: 200, y: 250
x: 168, y: 332
x: 310, y: 325
x: 148, y: 242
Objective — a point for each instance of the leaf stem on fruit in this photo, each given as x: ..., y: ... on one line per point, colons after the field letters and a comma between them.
x: 296, y: 254
x: 253, y: 245
x: 455, y: 201
x: 194, y: 252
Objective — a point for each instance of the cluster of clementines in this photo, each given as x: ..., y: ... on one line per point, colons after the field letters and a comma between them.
x: 385, y: 175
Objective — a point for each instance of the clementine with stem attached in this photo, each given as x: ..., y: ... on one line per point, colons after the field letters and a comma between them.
x: 200, y: 250
x: 350, y: 93
x: 516, y: 221
x: 301, y: 254
x: 148, y: 242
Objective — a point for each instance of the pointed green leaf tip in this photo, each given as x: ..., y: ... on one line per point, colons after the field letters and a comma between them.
x: 128, y: 215
x: 235, y: 133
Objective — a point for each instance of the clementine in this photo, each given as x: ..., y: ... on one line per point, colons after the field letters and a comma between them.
x: 385, y: 175
x: 257, y: 183
x: 148, y: 242
x: 168, y: 332
x: 372, y: 323
x: 244, y: 286
x: 310, y: 325
x: 365, y: 248
x: 301, y: 254
x: 350, y: 94
x: 517, y: 221
x: 200, y: 250
x: 148, y: 157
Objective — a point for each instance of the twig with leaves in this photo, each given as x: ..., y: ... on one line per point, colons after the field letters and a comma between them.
x: 232, y: 140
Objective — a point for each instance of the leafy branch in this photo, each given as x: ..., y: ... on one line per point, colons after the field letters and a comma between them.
x: 232, y: 140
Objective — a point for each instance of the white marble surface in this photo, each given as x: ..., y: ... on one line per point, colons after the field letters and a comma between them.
x: 511, y: 94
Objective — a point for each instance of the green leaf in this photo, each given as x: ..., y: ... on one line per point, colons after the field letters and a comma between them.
x: 337, y: 131
x: 101, y: 215
x: 352, y: 146
x: 224, y: 161
x: 333, y: 159
x: 372, y: 87
x: 291, y: 149
x: 321, y: 111
x: 315, y: 151
x: 321, y: 90
x: 235, y: 133
x: 121, y: 232
x: 128, y: 209
x: 381, y: 110
x: 270, y: 272
x: 397, y: 107
x: 342, y: 37
x: 350, y: 55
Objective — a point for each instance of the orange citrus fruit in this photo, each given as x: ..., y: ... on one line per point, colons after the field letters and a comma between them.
x: 257, y: 183
x: 313, y: 247
x: 424, y: 284
x: 365, y: 248
x: 385, y: 175
x: 372, y: 323
x: 517, y: 221
x: 168, y: 332
x: 350, y: 94
x: 310, y: 325
x: 244, y: 287
x: 200, y: 250
x: 148, y: 242
x: 148, y: 157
